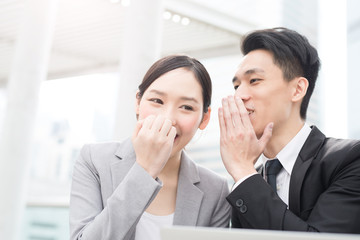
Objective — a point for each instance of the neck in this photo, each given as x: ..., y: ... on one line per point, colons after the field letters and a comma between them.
x: 281, y: 136
x: 171, y: 168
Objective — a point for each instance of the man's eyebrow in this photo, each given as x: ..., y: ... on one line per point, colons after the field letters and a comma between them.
x: 249, y: 72
x: 254, y: 70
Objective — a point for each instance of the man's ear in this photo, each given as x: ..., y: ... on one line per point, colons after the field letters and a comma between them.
x: 137, y: 102
x: 205, y: 120
x: 300, y: 88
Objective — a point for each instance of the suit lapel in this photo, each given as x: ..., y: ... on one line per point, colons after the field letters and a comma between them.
x: 307, y: 154
x: 121, y: 164
x: 189, y: 196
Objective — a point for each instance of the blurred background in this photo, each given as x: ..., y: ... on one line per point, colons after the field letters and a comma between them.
x: 69, y: 71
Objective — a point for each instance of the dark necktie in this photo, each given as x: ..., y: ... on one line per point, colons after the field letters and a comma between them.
x: 272, y: 168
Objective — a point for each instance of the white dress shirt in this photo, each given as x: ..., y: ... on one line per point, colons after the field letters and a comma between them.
x: 287, y: 157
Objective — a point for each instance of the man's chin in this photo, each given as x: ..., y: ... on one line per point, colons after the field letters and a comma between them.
x: 258, y: 132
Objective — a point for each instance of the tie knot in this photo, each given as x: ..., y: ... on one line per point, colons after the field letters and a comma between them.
x: 272, y: 167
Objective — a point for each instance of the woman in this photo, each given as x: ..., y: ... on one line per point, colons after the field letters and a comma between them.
x: 129, y: 190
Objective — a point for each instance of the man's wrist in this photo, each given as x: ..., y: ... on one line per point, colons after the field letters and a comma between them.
x: 236, y: 184
x: 243, y: 173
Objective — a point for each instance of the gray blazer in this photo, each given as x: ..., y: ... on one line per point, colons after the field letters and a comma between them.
x: 110, y: 192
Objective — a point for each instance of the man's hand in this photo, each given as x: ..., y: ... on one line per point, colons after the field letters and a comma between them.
x: 239, y: 146
x: 153, y: 140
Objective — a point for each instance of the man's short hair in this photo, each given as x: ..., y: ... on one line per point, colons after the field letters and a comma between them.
x: 292, y: 53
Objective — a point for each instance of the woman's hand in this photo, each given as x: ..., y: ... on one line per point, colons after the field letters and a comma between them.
x: 153, y: 141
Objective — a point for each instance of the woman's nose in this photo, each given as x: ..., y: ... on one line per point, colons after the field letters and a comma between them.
x: 170, y: 114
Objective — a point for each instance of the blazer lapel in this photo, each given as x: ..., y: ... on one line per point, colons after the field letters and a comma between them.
x: 121, y: 164
x: 189, y: 196
x: 307, y: 154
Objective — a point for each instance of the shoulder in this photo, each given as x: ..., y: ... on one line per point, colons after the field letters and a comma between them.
x: 209, y: 176
x: 341, y: 148
x: 100, y: 155
x: 336, y: 144
x: 328, y: 147
x: 339, y: 156
x: 202, y: 176
x: 95, y: 150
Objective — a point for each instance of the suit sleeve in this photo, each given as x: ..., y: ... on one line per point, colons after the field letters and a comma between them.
x: 221, y: 216
x: 89, y: 219
x: 337, y: 209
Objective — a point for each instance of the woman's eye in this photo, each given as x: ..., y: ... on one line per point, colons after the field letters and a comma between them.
x: 186, y: 107
x: 236, y: 87
x: 156, y: 100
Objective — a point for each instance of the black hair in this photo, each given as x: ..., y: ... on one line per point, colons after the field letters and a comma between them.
x: 292, y: 53
x: 169, y: 63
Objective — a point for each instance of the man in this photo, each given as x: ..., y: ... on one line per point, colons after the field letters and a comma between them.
x: 317, y: 184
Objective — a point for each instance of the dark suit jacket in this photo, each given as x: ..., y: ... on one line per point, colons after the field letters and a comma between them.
x: 324, y: 192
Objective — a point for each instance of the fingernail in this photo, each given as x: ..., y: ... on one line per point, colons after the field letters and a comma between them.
x: 271, y: 126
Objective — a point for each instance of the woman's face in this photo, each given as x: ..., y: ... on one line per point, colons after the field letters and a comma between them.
x: 177, y: 96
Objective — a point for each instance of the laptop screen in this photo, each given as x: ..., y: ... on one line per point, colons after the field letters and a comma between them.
x: 192, y: 233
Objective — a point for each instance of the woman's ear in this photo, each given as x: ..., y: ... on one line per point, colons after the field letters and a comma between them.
x: 300, y: 89
x: 205, y: 120
x: 137, y: 102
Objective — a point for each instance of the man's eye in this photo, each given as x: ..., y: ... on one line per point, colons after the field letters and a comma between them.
x: 254, y: 80
x: 186, y: 107
x: 156, y: 100
x: 236, y: 87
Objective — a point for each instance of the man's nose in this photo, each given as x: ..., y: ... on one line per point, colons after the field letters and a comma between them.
x: 243, y: 92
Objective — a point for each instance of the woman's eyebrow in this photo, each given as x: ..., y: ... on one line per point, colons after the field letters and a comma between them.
x: 183, y: 98
x: 189, y: 99
x: 158, y: 92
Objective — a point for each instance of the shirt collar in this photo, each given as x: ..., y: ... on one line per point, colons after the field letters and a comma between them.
x: 287, y: 156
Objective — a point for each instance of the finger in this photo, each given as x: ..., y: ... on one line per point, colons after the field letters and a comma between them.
x: 229, y: 126
x: 221, y: 122
x: 266, y: 136
x: 243, y: 113
x: 172, y: 133
x: 158, y: 122
x: 235, y: 113
x: 138, y: 126
x: 148, y: 121
x: 166, y: 127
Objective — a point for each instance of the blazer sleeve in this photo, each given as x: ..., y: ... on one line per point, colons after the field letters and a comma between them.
x: 89, y: 219
x: 221, y: 215
x: 336, y: 209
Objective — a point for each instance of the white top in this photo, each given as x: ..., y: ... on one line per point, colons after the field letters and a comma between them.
x: 287, y: 157
x: 148, y: 227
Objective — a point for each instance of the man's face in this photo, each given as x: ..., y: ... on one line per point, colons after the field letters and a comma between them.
x: 264, y: 91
